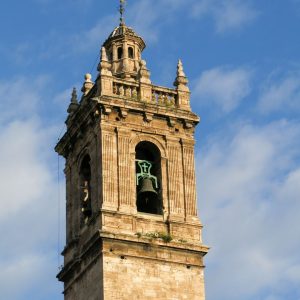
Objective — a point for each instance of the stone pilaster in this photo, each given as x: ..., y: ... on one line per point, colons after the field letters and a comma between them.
x: 125, y: 176
x: 189, y: 179
x: 175, y: 175
x: 109, y: 168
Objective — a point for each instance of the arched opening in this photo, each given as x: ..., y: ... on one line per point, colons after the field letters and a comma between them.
x: 130, y: 52
x: 120, y: 52
x: 148, y: 178
x: 85, y: 189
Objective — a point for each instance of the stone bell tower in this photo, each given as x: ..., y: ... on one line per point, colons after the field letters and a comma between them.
x: 132, y: 225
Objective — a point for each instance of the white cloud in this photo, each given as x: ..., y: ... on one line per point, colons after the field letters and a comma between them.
x: 148, y: 18
x: 82, y: 3
x: 28, y: 216
x: 93, y: 37
x: 20, y: 97
x: 223, y: 87
x: 17, y: 276
x: 227, y: 14
x: 29, y: 194
x: 249, y: 195
x: 143, y: 16
x: 63, y: 98
x: 22, y: 166
x: 281, y: 95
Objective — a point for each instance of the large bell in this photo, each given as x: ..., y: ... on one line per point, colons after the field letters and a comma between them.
x: 147, y: 187
x: 147, y: 200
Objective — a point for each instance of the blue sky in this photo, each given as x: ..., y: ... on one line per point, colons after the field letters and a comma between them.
x: 242, y: 58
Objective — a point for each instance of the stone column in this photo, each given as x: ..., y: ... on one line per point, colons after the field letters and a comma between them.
x: 125, y: 63
x: 115, y: 58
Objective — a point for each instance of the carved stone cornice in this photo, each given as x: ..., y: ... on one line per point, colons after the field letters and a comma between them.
x: 149, y: 107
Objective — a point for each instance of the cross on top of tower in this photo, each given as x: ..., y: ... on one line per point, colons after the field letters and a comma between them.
x: 122, y: 10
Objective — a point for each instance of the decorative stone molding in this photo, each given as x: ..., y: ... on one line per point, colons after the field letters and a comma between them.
x: 123, y: 112
x: 107, y: 109
x: 158, y: 141
x: 188, y: 124
x: 171, y: 121
x: 148, y: 117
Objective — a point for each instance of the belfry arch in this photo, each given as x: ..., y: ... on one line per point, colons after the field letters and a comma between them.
x: 148, y: 178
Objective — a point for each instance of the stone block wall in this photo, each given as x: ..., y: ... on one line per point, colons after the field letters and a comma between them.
x: 143, y: 272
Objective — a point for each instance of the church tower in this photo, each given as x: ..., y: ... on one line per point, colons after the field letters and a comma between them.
x: 132, y: 225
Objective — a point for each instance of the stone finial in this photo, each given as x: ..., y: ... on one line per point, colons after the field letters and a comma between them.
x: 74, y: 98
x: 74, y: 102
x: 180, y: 72
x: 88, y: 77
x: 181, y: 80
x: 183, y: 91
x: 104, y: 66
x: 103, y: 54
x: 88, y: 84
x: 144, y: 73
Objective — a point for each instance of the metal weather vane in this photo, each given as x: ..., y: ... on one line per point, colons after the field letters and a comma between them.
x: 122, y: 10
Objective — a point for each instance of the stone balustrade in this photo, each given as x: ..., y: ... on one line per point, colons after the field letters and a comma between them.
x: 160, y: 95
x: 164, y: 96
x: 126, y: 90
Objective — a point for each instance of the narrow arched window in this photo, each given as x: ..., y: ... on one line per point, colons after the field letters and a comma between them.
x: 85, y: 189
x: 120, y: 52
x: 148, y: 178
x: 130, y: 52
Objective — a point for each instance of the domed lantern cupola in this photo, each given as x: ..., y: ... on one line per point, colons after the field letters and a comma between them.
x: 123, y: 48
